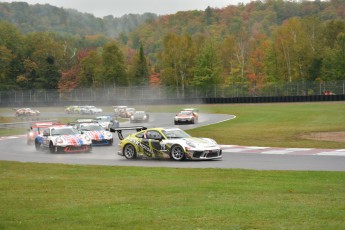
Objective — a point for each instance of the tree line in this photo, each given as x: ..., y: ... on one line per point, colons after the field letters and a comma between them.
x: 257, y: 43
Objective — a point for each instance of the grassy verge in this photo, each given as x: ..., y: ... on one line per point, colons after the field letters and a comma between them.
x: 49, y: 196
x: 276, y: 125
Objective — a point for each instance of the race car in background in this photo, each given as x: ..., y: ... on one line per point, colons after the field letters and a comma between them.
x: 171, y: 143
x: 63, y: 138
x: 120, y: 111
x: 72, y: 109
x: 97, y: 134
x: 139, y: 116
x: 187, y: 116
x: 26, y: 112
x: 89, y: 109
x: 37, y: 128
x: 130, y: 112
x: 107, y: 122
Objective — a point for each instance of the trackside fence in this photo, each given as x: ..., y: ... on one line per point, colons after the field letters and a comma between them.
x: 134, y: 95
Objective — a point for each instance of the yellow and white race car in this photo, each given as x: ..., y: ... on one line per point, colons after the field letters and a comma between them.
x: 171, y: 143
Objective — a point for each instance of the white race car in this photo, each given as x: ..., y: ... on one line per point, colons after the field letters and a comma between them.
x: 171, y: 143
x: 186, y: 116
x: 107, y: 122
x: 96, y: 132
x: 90, y: 110
x: 63, y: 138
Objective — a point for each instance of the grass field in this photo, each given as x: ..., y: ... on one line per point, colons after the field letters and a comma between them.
x: 48, y: 196
x: 52, y: 196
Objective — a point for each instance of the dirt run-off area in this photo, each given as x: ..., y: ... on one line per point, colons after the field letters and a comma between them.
x: 326, y: 136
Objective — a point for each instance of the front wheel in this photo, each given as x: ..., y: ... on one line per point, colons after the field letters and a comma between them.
x: 37, y: 145
x: 89, y: 149
x: 130, y: 152
x: 177, y: 153
x: 51, y: 147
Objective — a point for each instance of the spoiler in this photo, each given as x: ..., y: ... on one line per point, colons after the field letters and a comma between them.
x: 119, y: 130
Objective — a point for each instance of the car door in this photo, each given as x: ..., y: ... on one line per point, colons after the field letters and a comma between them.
x: 151, y: 141
x: 45, y: 137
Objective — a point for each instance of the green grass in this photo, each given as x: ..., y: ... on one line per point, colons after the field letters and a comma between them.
x: 275, y: 125
x: 49, y: 196
x: 52, y: 196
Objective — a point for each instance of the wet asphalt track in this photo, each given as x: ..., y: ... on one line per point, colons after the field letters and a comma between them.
x: 16, y: 149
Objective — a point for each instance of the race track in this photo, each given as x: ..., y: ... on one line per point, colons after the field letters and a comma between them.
x: 258, y: 158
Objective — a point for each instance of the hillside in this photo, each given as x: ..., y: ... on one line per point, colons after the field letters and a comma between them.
x: 41, y: 18
x: 252, y: 45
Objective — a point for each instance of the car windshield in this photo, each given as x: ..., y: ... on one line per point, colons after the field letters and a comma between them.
x: 175, y: 133
x: 63, y: 131
x: 91, y: 128
x: 185, y: 113
x: 103, y: 118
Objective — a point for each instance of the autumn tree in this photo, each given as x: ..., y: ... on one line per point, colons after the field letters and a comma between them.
x: 91, y: 70
x: 256, y: 62
x: 47, y: 54
x: 207, y: 68
x: 11, y: 66
x: 113, y: 69
x: 293, y: 49
x: 139, y: 72
x: 177, y: 61
x: 334, y: 61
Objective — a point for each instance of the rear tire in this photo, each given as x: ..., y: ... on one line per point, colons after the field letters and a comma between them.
x: 129, y: 152
x: 111, y: 142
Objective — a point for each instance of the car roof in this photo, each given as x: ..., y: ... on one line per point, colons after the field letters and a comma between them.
x: 44, y: 124
x: 60, y: 126
x: 190, y: 109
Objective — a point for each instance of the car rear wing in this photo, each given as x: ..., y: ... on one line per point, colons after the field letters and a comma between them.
x: 119, y: 130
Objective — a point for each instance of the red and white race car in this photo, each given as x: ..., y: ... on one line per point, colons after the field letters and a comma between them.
x: 190, y: 116
x: 63, y: 138
x: 36, y: 129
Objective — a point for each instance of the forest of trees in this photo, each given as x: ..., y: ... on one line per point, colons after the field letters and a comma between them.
x: 261, y: 42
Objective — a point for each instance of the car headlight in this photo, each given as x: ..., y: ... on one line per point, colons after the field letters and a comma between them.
x: 144, y: 117
x: 109, y: 135
x: 87, y: 138
x: 132, y: 117
x: 59, y: 140
x: 191, y: 144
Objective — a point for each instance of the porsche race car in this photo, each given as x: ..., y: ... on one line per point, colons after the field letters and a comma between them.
x: 97, y: 133
x: 186, y: 116
x: 139, y: 116
x: 107, y: 122
x: 26, y: 112
x: 36, y: 129
x: 63, y: 138
x: 171, y: 143
x: 87, y: 109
